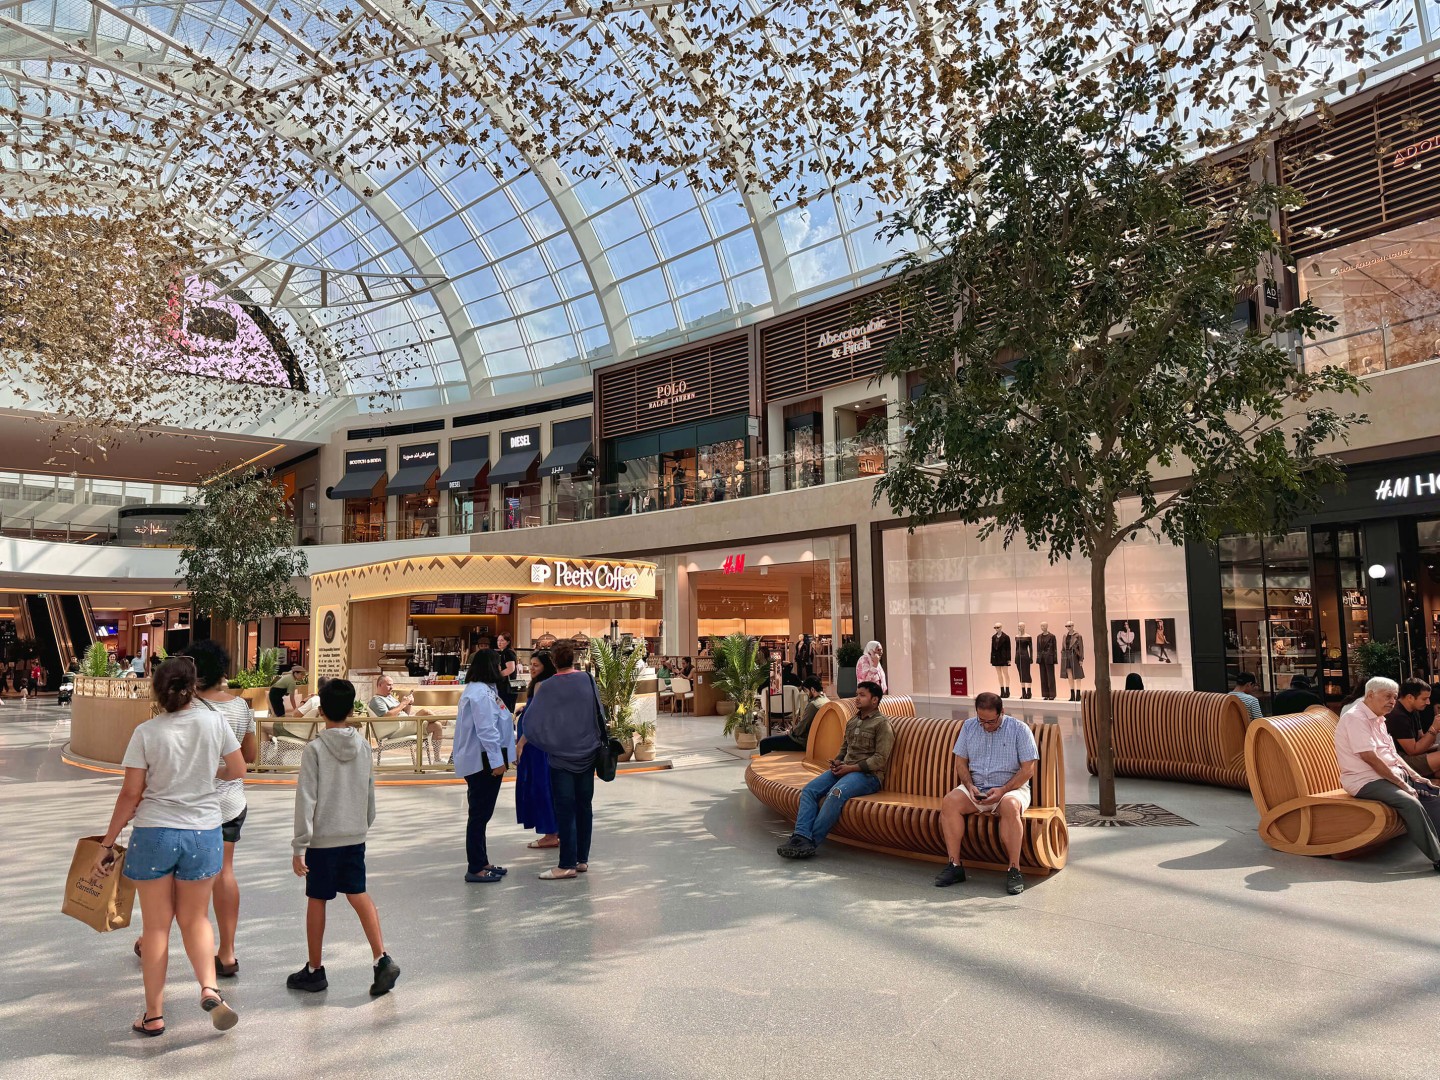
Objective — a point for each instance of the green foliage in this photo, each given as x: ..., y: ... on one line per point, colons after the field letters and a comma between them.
x: 264, y: 672
x: 849, y: 653
x: 645, y: 731
x: 740, y: 672
x: 97, y: 661
x: 1074, y: 321
x: 616, y: 674
x: 1377, y: 658
x: 237, y: 559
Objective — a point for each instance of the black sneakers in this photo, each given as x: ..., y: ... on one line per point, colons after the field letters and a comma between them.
x: 796, y: 847
x: 313, y: 981
x: 386, y: 973
x: 1014, y: 882
x: 953, y: 874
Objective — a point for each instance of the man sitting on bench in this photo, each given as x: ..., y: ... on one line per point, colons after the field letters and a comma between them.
x: 1371, y: 769
x: 1418, y: 743
x: 859, y: 769
x: 995, y: 758
x: 795, y: 738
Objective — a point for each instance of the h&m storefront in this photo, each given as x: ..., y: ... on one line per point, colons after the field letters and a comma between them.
x: 1365, y: 567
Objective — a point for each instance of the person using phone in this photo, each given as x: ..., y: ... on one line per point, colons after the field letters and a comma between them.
x: 995, y: 758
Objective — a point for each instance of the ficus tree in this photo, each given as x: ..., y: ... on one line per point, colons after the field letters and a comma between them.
x: 238, y: 557
x: 1087, y: 379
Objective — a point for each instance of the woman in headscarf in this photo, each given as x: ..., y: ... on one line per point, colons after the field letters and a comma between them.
x: 869, y: 668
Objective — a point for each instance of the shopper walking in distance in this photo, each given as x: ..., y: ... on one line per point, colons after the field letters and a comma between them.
x: 211, y: 663
x: 334, y: 809
x: 869, y: 669
x: 534, y: 807
x: 176, y: 850
x: 484, y: 748
x: 564, y: 718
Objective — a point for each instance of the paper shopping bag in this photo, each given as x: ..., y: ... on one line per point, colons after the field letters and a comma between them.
x: 101, y: 903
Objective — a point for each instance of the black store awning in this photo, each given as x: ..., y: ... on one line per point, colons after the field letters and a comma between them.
x: 466, y: 474
x: 513, y: 467
x: 567, y: 460
x: 413, y: 479
x: 359, y: 483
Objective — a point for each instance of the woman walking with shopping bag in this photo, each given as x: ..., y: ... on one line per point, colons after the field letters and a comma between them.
x: 176, y: 850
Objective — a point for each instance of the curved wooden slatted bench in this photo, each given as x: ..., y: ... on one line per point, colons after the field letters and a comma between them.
x: 1173, y: 735
x: 1295, y: 782
x: 903, y: 818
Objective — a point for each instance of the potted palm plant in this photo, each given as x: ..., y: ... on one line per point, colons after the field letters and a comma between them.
x: 846, y: 657
x: 616, y: 673
x: 740, y: 672
x: 645, y: 740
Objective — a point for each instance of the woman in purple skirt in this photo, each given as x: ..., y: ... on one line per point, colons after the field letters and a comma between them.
x: 533, y: 808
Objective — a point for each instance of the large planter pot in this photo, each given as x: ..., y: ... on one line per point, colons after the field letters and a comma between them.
x: 846, y: 682
x: 645, y: 750
x: 747, y: 740
x: 629, y: 754
x: 258, y: 697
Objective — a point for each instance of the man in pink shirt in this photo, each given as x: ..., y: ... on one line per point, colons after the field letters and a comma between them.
x: 1371, y: 769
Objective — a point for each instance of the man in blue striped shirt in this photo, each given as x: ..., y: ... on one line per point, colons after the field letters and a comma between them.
x: 995, y: 759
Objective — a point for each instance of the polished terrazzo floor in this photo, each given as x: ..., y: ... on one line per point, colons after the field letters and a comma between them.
x: 692, y: 951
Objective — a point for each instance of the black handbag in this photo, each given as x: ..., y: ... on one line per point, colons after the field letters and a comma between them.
x: 607, y: 758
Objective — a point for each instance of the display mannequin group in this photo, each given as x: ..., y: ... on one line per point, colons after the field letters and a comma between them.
x: 1072, y: 659
x: 1000, y: 656
x: 805, y: 658
x: 1047, y: 655
x: 1024, y: 657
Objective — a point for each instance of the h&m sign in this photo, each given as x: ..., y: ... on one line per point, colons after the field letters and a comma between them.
x: 1420, y: 485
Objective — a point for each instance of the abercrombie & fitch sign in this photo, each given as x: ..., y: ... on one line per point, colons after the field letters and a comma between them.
x: 853, y: 340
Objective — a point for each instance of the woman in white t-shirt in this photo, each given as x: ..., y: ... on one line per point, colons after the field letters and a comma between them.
x: 176, y: 850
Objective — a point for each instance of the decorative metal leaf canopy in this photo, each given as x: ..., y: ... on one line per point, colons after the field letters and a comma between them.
x: 423, y: 201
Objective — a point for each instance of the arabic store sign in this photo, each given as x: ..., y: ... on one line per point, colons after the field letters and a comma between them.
x: 853, y: 340
x: 428, y: 454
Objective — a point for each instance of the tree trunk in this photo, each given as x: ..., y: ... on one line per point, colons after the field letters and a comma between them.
x: 1100, y: 632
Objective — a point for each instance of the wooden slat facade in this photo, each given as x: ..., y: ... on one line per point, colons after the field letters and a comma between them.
x: 684, y: 386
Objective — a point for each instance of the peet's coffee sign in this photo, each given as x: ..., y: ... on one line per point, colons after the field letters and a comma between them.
x: 566, y: 575
x: 853, y: 340
x: 674, y: 392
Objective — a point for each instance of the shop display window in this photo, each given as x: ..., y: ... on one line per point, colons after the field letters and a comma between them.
x: 574, y: 498
x: 1269, y: 608
x: 470, y: 511
x: 1384, y: 293
x: 364, y: 520
x: 637, y: 487
x: 521, y: 505
x: 419, y: 515
x: 721, y: 472
x: 804, y: 451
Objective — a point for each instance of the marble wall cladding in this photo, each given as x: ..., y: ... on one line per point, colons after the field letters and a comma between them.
x: 946, y: 587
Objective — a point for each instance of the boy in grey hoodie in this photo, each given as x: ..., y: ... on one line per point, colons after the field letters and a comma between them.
x: 334, y: 808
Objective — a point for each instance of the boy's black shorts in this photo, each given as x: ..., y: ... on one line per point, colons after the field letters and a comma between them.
x: 334, y: 870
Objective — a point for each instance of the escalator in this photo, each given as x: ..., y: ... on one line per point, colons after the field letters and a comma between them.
x: 78, y: 623
x: 37, y: 608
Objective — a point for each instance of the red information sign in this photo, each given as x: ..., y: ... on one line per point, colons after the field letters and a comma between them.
x: 959, y: 683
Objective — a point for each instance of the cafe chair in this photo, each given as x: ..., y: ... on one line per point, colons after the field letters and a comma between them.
x: 680, y: 693
x: 391, y: 735
x: 667, y: 692
x: 289, y: 742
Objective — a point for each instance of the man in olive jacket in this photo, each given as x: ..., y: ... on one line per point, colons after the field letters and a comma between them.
x: 859, y: 769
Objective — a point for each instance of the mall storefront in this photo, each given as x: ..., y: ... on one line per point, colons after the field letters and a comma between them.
x: 1365, y: 567
x: 950, y: 604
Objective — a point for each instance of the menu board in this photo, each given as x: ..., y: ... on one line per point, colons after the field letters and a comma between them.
x: 463, y: 604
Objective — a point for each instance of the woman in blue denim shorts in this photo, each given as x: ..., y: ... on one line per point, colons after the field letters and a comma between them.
x: 175, y: 846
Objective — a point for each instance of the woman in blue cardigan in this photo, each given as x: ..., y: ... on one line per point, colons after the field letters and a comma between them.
x: 484, y: 748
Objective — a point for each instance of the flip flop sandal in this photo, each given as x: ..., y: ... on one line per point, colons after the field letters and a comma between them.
x: 221, y: 1014
x: 227, y: 971
x: 137, y: 948
x: 139, y: 1026
x: 536, y: 845
x: 558, y: 875
x: 582, y: 868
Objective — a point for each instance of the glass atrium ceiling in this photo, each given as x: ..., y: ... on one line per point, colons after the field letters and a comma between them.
x: 450, y: 279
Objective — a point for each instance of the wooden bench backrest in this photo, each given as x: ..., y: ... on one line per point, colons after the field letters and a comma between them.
x: 827, y: 730
x: 1290, y: 756
x: 923, y: 761
x: 1171, y: 725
